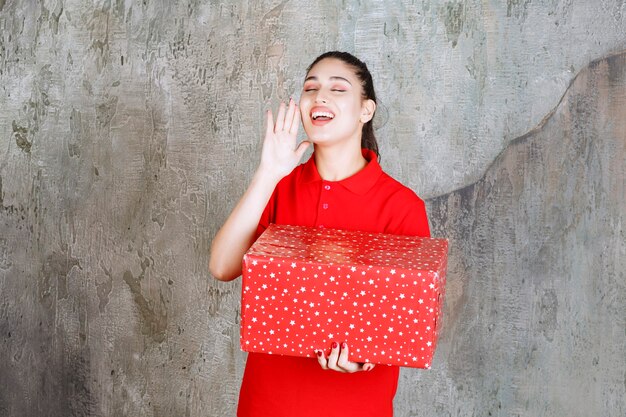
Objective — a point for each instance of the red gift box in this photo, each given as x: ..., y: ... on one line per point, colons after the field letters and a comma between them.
x: 304, y: 288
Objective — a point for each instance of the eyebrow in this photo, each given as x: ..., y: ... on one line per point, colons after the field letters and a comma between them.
x: 332, y: 78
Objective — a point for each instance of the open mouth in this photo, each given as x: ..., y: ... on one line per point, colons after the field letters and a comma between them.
x: 322, y: 115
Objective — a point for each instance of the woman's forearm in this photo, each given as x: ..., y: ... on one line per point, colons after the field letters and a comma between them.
x: 237, y: 234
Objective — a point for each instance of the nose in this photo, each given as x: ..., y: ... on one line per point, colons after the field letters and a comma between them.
x: 320, y: 98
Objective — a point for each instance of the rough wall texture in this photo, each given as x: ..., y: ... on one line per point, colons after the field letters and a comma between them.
x: 129, y: 129
x: 536, y: 304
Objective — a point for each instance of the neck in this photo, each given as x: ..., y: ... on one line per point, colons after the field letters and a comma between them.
x: 340, y: 161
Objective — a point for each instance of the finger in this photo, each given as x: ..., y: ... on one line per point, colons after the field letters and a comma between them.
x: 333, y: 357
x: 269, y: 129
x: 368, y: 366
x: 280, y: 119
x: 321, y: 359
x: 295, y: 122
x: 344, y: 363
x: 291, y: 111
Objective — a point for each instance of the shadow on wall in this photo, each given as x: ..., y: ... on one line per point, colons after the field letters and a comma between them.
x: 534, y: 320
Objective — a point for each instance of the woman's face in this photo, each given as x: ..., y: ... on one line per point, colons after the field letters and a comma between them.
x: 331, y: 105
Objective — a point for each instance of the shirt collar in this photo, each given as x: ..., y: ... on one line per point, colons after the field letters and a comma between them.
x: 359, y: 183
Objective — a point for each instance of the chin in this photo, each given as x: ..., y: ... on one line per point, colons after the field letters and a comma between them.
x: 319, y: 139
x: 316, y: 136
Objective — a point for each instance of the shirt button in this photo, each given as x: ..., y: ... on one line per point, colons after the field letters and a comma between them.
x: 327, y: 187
x: 325, y: 206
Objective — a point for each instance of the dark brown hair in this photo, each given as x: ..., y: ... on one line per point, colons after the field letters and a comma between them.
x: 368, y: 139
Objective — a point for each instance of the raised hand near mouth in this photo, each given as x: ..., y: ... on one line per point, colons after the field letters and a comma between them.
x: 280, y: 154
x: 278, y: 158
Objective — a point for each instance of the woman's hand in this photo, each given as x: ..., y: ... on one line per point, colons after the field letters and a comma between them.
x: 338, y: 360
x: 280, y: 155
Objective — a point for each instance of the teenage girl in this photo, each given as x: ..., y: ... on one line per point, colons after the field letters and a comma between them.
x: 342, y: 186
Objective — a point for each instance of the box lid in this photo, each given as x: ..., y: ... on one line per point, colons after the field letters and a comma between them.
x: 332, y: 246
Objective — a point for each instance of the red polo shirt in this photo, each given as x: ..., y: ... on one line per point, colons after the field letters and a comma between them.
x: 372, y: 201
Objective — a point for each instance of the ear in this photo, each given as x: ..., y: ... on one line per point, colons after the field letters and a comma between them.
x: 368, y: 108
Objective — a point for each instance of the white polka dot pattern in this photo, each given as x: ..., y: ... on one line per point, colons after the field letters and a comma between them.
x: 304, y: 288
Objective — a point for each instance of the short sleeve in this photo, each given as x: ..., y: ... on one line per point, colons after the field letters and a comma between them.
x: 415, y: 221
x: 409, y: 216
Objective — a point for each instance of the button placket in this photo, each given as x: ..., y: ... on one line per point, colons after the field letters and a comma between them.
x: 326, y: 188
x: 324, y: 206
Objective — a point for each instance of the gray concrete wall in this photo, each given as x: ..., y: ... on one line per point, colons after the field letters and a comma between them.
x: 535, y: 319
x: 129, y: 129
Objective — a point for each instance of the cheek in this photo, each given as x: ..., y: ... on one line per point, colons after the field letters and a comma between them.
x: 352, y: 108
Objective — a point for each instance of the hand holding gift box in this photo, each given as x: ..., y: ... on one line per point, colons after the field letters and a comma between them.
x: 305, y: 288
